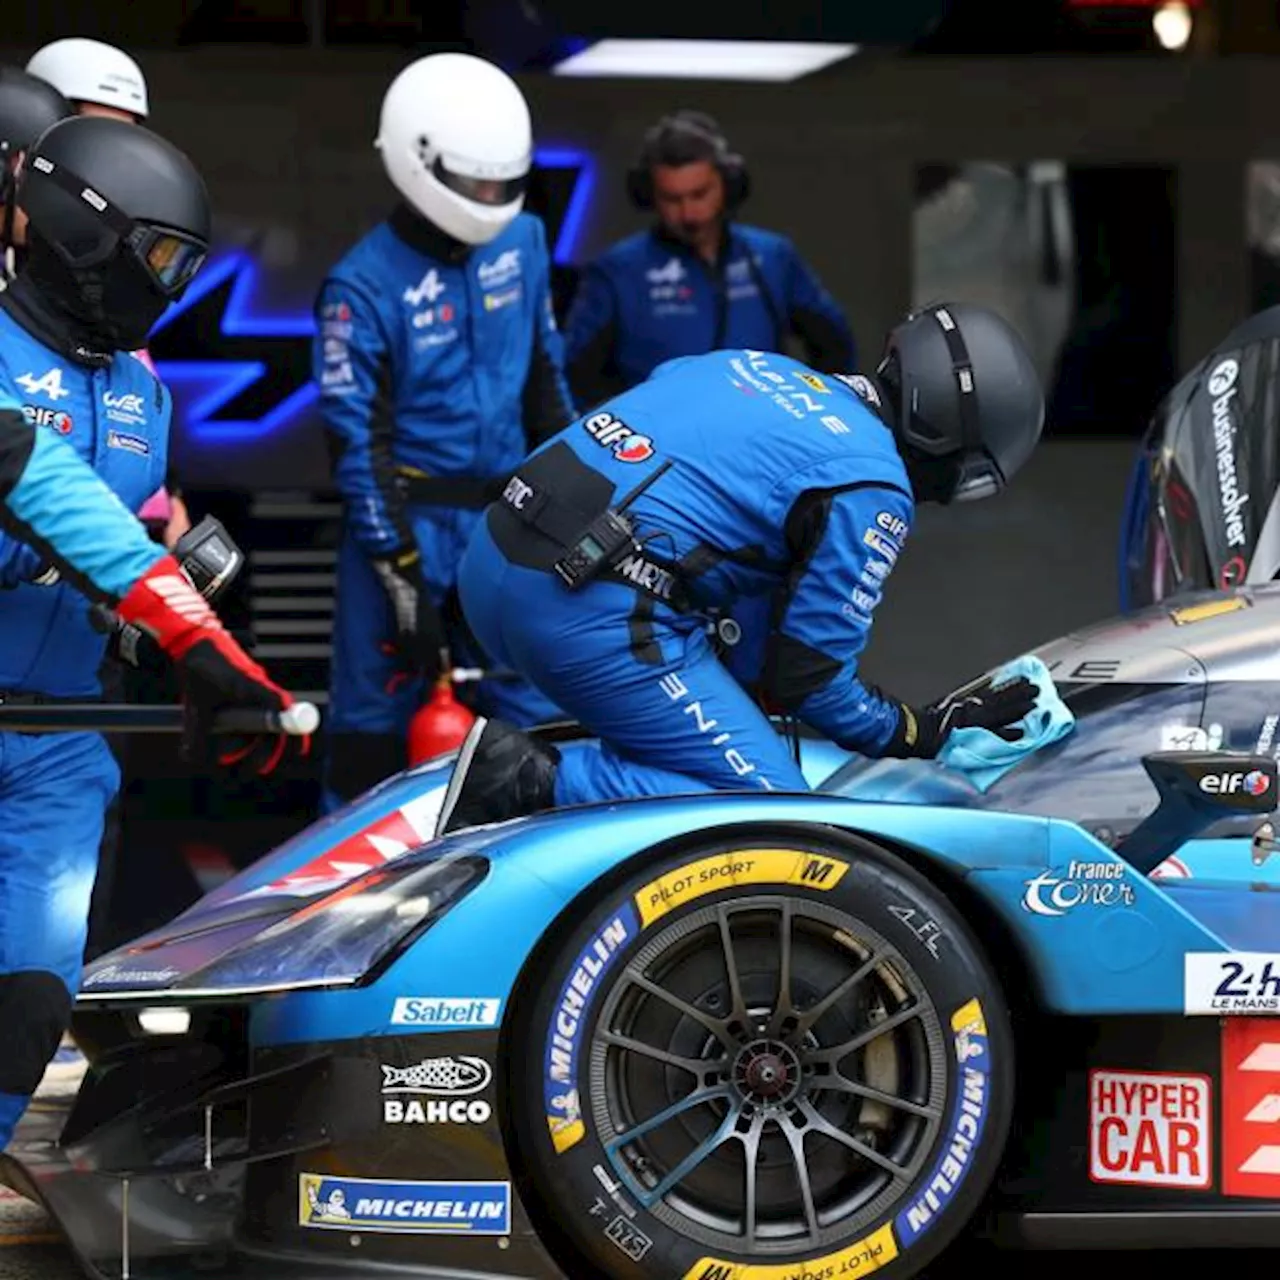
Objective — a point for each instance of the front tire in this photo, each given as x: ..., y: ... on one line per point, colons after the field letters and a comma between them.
x: 763, y: 1060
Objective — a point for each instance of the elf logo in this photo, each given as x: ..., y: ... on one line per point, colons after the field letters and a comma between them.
x: 59, y: 420
x: 614, y: 434
x: 1253, y: 783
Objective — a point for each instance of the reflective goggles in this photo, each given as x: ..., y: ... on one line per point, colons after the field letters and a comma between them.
x: 171, y: 258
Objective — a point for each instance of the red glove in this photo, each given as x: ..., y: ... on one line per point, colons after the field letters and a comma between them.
x: 217, y: 674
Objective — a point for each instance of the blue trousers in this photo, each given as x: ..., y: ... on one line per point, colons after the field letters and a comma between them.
x: 670, y: 718
x: 54, y: 792
x: 370, y: 700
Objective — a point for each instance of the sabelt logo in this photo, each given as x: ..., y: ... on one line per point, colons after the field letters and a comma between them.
x: 1222, y: 387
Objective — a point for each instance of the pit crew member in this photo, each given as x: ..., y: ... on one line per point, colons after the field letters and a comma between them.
x: 99, y: 79
x: 28, y: 106
x: 118, y: 223
x: 439, y: 364
x: 697, y: 280
x: 743, y: 491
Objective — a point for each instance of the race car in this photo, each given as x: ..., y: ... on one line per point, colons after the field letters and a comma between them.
x: 742, y: 1036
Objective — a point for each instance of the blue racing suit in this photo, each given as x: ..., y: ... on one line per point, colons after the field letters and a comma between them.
x: 651, y: 298
x: 55, y: 788
x: 772, y: 503
x: 433, y: 364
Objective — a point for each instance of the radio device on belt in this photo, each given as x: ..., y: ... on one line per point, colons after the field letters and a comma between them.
x: 609, y: 536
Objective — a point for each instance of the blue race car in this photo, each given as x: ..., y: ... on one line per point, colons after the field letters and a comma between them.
x: 736, y: 1037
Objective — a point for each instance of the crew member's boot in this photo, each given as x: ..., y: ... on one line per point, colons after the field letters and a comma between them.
x: 501, y: 773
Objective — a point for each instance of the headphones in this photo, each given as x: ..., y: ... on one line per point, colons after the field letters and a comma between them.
x: 699, y: 128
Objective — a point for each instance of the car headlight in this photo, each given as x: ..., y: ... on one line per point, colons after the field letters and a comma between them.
x: 347, y: 935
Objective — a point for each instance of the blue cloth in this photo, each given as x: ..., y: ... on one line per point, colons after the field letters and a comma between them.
x: 787, y: 497
x: 651, y: 298
x: 54, y: 791
x: 450, y: 366
x: 984, y: 757
x: 117, y: 420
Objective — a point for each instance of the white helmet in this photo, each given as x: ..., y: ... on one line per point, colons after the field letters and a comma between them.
x: 90, y: 71
x: 457, y: 142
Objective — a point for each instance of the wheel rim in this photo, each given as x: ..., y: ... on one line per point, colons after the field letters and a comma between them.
x: 767, y: 1076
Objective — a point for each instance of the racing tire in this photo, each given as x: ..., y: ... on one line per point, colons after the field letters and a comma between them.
x: 721, y: 1104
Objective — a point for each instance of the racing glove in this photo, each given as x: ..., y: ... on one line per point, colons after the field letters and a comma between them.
x: 420, y: 638
x: 922, y: 731
x: 217, y: 674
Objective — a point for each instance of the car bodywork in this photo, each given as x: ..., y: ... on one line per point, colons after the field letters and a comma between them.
x: 318, y: 981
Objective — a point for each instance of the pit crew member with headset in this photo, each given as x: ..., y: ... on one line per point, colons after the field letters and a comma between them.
x: 743, y: 492
x: 698, y: 280
x: 117, y: 225
x: 439, y: 365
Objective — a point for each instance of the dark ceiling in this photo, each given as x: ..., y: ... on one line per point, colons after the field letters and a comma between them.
x: 527, y: 33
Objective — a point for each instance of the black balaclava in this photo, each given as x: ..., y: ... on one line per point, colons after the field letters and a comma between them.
x: 420, y: 233
x: 112, y: 306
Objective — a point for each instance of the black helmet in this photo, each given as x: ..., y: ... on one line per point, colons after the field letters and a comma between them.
x: 967, y: 396
x: 119, y: 223
x: 28, y: 106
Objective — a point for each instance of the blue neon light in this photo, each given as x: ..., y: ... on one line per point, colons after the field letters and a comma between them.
x: 222, y: 380
x: 565, y: 249
x: 213, y: 384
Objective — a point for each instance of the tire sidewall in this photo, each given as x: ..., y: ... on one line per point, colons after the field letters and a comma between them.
x: 606, y: 1225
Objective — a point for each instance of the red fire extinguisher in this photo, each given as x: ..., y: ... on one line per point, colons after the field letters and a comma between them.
x: 440, y: 724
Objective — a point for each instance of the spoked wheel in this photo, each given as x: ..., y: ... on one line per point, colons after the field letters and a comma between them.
x: 765, y: 1056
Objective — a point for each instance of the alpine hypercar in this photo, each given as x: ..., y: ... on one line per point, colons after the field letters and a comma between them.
x: 732, y: 1037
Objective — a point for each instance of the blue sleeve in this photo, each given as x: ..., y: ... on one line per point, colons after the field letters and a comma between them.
x: 591, y: 332
x: 352, y: 365
x: 816, y: 318
x: 54, y: 501
x: 547, y: 403
x: 846, y: 543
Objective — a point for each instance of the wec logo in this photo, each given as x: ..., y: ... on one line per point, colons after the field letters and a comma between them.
x: 125, y: 403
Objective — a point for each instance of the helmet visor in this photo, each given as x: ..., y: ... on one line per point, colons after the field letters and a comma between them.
x: 171, y: 258
x: 494, y: 192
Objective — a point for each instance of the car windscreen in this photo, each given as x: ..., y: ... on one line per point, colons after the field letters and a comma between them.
x: 1095, y: 774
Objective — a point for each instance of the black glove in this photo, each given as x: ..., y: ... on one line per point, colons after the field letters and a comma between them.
x: 420, y: 637
x: 922, y: 731
x: 217, y: 675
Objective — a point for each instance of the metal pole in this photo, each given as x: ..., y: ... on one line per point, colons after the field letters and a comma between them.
x: 315, y: 23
